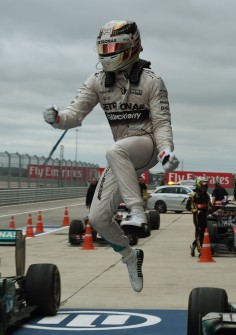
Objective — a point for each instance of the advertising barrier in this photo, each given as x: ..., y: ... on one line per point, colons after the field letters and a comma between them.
x: 65, y: 172
x: 145, y: 175
x: 225, y: 179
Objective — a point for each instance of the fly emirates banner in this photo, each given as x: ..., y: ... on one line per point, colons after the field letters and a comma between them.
x: 225, y: 179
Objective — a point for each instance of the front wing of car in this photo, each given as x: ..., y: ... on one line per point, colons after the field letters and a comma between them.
x: 219, y: 323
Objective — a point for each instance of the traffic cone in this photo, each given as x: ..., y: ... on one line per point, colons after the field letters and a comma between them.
x: 12, y: 223
x: 29, y: 229
x: 88, y: 238
x: 206, y: 253
x: 39, y: 226
x: 66, y: 220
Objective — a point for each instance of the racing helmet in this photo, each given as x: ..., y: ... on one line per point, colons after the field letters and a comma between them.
x: 118, y: 45
x: 202, y: 183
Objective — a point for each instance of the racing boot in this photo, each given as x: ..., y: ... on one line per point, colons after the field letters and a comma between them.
x: 138, y: 219
x: 199, y: 248
x: 192, y: 250
x: 134, y: 264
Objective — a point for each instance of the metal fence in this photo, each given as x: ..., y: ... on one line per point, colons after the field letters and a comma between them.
x: 21, y: 196
x: 25, y: 171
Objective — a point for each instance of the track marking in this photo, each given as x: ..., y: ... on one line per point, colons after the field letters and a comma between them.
x: 43, y: 210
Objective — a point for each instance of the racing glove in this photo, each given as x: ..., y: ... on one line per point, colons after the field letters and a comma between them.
x: 168, y: 160
x: 51, y: 114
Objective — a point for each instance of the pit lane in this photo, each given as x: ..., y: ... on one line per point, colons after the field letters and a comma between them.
x: 97, y: 280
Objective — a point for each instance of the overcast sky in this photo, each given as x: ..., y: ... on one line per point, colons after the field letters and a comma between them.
x: 48, y: 48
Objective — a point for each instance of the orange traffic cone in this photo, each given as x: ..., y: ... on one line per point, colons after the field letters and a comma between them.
x: 66, y: 220
x: 12, y: 223
x: 88, y: 238
x: 39, y: 226
x: 29, y: 229
x: 206, y: 253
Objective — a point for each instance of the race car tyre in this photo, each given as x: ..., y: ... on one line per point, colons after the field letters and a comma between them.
x: 212, y: 234
x: 160, y: 206
x: 133, y: 239
x: 3, y: 323
x: 76, y: 228
x: 43, y: 288
x: 154, y: 220
x: 204, y: 300
x: 94, y: 235
x: 131, y: 233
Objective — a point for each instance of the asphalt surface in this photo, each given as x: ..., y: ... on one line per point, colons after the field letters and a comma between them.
x: 98, y: 278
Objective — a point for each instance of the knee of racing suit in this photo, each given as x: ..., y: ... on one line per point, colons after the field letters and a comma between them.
x: 98, y: 220
x: 115, y: 152
x: 110, y: 231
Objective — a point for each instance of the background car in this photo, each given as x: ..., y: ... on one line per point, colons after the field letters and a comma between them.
x: 169, y: 198
x: 191, y: 183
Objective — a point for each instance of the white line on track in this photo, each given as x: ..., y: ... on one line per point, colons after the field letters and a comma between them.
x: 47, y: 232
x: 36, y: 211
x: 34, y: 203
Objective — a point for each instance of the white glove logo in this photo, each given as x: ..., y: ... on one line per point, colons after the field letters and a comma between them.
x: 168, y: 160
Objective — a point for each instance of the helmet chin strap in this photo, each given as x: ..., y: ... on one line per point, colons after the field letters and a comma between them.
x: 134, y: 73
x: 128, y: 67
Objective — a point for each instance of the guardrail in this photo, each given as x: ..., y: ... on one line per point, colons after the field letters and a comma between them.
x: 21, y: 196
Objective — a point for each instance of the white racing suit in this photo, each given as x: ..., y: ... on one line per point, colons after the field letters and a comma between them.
x: 140, y: 122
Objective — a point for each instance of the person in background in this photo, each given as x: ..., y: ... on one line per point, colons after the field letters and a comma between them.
x: 143, y: 186
x: 135, y: 102
x: 163, y: 182
x: 219, y: 193
x: 90, y: 192
x: 143, y: 190
x: 235, y: 191
x: 200, y: 203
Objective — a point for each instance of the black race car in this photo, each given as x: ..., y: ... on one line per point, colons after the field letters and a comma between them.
x: 38, y: 292
x: 210, y: 313
x: 221, y: 226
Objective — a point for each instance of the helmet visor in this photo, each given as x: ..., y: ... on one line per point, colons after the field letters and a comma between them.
x: 112, y: 48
